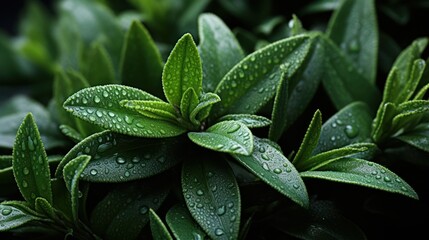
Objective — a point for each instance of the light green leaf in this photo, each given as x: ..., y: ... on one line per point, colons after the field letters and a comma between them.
x: 119, y: 158
x: 219, y: 50
x: 418, y: 137
x: 353, y: 27
x: 12, y: 217
x: 98, y: 67
x: 30, y: 163
x: 252, y: 82
x: 227, y: 136
x: 278, y: 114
x: 159, y: 230
x: 152, y: 109
x: 272, y: 167
x: 343, y: 83
x: 101, y: 105
x: 363, y: 173
x: 182, y: 70
x: 72, y: 173
x: 413, y: 81
x: 202, y: 110
x: 71, y: 133
x: 182, y: 225
x: 212, y: 196
x: 188, y: 103
x: 352, y: 124
x: 141, y: 63
x: 383, y: 122
x: 251, y: 121
x: 125, y: 210
x: 310, y: 140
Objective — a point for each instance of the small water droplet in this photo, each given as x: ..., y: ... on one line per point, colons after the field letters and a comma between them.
x: 370, y: 164
x: 219, y: 146
x: 93, y: 172
x: 128, y: 120
x: 127, y: 174
x: 135, y: 159
x: 221, y: 210
x: 339, y: 122
x: 234, y: 128
x: 354, y: 46
x: 404, y: 189
x: 97, y: 99
x: 199, y: 205
x: 120, y: 160
x: 161, y: 159
x: 230, y: 205
x: 265, y: 156
x: 24, y: 184
x: 219, y: 232
x: 6, y: 211
x: 378, y: 177
x: 200, y: 192
x: 105, y: 94
x: 265, y: 166
x: 26, y: 171
x: 387, y: 179
x: 214, y: 188
x: 333, y: 138
x: 144, y: 210
x: 398, y: 180
x: 277, y: 170
x: 351, y: 131
x: 295, y: 186
x: 30, y: 144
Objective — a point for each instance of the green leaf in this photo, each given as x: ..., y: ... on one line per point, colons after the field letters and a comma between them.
x: 141, y: 64
x: 202, y: 110
x: 152, y: 109
x: 42, y: 206
x: 272, y: 167
x: 227, y: 136
x: 352, y: 124
x: 15, y: 109
x: 418, y: 137
x: 252, y: 82
x: 278, y: 115
x: 71, y: 133
x: 30, y: 163
x: 409, y: 114
x: 159, y: 230
x: 12, y: 217
x: 119, y: 158
x: 101, y: 105
x: 219, y: 50
x: 212, y: 196
x: 125, y: 210
x: 342, y: 81
x: 251, y: 121
x: 383, y: 122
x: 72, y: 173
x: 321, y: 159
x: 310, y: 140
x: 5, y: 161
x: 98, y: 67
x: 353, y: 27
x: 295, y: 26
x: 182, y: 70
x: 70, y: 42
x: 413, y: 81
x: 188, y: 103
x: 182, y: 225
x: 363, y: 173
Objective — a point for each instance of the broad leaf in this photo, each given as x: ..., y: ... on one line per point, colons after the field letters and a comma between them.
x: 251, y: 121
x: 417, y: 138
x: 12, y: 217
x: 119, y: 158
x: 72, y: 173
x: 227, y: 136
x: 310, y: 140
x: 188, y: 103
x: 363, y: 173
x: 141, y: 64
x: 202, y: 110
x: 272, y: 167
x: 353, y: 27
x: 101, y: 105
x: 30, y: 163
x: 159, y: 230
x: 278, y: 114
x: 182, y: 70
x: 125, y: 210
x: 352, y: 124
x: 98, y: 67
x: 212, y: 196
x: 343, y: 83
x: 182, y: 225
x: 219, y: 50
x: 152, y: 109
x: 252, y: 82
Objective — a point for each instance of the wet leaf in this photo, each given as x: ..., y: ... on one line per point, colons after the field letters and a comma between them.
x: 12, y: 217
x: 418, y: 137
x: 188, y: 103
x: 152, y: 109
x: 310, y: 140
x: 278, y: 115
x: 203, y: 108
x: 182, y: 225
x: 251, y: 121
x: 159, y: 230
x: 98, y: 68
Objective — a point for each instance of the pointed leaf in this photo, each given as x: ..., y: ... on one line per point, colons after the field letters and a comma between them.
x: 417, y: 138
x: 383, y: 122
x: 212, y: 196
x: 363, y: 173
x: 413, y: 81
x: 219, y: 50
x: 353, y: 27
x: 278, y: 115
x: 202, y: 110
x: 310, y: 140
x: 227, y: 136
x: 408, y: 113
x: 71, y: 172
x: 141, y: 63
x: 188, y: 103
x: 98, y: 68
x: 159, y: 230
x: 251, y: 121
x: 352, y: 124
x: 119, y: 158
x: 343, y: 83
x: 182, y: 70
x: 124, y: 211
x: 272, y: 167
x: 12, y: 217
x: 71, y: 133
x: 30, y: 163
x: 253, y: 81
x: 101, y: 105
x: 42, y: 206
x: 182, y: 225
x: 152, y: 109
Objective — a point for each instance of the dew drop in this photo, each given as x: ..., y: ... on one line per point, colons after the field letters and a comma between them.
x: 387, y: 179
x: 135, y: 159
x: 144, y: 210
x: 199, y: 205
x: 354, y: 46
x: 200, y: 193
x: 277, y: 171
x: 84, y: 101
x: 24, y: 184
x: 120, y: 160
x: 92, y: 118
x: 127, y: 174
x: 93, y: 172
x: 219, y: 146
x: 30, y: 144
x: 26, y: 171
x: 261, y: 149
x: 161, y: 159
x: 97, y: 99
x: 6, y: 211
x: 265, y: 157
x: 221, y: 210
x: 398, y: 180
x: 265, y: 166
x: 128, y: 120
x: 105, y: 94
x: 339, y: 122
x: 351, y: 131
x: 219, y: 232
x: 103, y: 147
x: 234, y: 128
x: 295, y: 186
